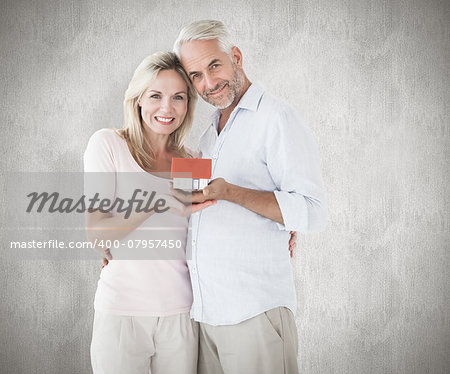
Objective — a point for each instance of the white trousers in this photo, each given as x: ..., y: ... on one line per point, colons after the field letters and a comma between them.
x: 143, y: 345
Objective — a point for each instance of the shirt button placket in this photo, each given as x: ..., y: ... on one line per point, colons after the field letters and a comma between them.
x: 194, y: 250
x: 194, y: 275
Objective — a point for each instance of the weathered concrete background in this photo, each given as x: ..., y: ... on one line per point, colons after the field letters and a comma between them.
x: 370, y: 77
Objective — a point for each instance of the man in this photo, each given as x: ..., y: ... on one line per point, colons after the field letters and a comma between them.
x: 267, y: 181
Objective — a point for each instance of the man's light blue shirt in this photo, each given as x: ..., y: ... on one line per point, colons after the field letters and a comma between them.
x: 239, y: 261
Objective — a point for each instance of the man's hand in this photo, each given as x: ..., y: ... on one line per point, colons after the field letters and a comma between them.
x: 220, y: 189
x: 217, y: 189
x: 263, y: 203
x: 106, y: 253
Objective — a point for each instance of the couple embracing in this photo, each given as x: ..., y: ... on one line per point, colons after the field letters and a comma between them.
x: 229, y: 308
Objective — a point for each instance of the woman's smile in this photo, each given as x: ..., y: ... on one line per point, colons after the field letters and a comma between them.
x: 164, y: 120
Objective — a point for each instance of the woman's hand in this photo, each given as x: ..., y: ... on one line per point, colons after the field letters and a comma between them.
x: 292, y: 242
x: 184, y: 207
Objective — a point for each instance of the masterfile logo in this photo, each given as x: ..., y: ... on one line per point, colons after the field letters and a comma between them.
x: 41, y: 207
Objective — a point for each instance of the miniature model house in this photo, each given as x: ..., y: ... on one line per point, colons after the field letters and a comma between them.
x: 191, y: 173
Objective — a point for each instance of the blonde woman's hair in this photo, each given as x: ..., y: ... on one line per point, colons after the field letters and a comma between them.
x: 132, y: 130
x: 205, y: 30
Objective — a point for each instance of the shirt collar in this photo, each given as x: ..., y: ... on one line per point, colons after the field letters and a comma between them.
x: 250, y: 101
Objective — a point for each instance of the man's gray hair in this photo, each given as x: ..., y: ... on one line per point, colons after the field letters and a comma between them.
x: 204, y: 30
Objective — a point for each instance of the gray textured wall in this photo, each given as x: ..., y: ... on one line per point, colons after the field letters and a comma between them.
x: 370, y: 77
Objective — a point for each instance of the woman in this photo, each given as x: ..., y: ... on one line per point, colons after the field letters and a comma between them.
x: 142, y: 307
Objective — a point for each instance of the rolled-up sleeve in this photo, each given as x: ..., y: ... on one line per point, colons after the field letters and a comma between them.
x: 293, y: 162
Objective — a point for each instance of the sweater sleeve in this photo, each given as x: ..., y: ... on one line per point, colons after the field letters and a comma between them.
x: 99, y: 168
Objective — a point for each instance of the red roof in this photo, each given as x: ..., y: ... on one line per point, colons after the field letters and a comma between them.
x: 199, y: 167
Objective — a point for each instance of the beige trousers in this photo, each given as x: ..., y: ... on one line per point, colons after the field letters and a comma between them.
x: 265, y: 344
x: 143, y: 345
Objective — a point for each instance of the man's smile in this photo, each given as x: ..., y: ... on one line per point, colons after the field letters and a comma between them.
x: 216, y: 92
